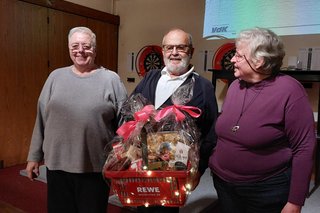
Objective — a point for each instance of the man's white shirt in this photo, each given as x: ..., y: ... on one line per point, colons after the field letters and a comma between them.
x: 167, y: 85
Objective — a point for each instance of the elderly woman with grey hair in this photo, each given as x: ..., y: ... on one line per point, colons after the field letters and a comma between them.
x: 266, y: 137
x: 77, y: 115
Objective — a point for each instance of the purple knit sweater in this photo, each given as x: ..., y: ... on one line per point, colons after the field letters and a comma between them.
x: 276, y: 130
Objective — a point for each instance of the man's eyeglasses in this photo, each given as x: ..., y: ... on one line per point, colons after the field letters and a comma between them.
x: 179, y: 48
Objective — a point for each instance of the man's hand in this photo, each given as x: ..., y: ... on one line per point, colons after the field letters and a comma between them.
x: 194, y: 180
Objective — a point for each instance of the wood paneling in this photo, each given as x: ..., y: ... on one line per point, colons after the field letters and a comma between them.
x: 59, y: 25
x: 107, y: 43
x: 72, y: 8
x: 23, y: 72
x: 107, y: 39
x: 33, y: 42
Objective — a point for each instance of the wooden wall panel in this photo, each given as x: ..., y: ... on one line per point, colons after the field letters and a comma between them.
x: 33, y: 42
x: 60, y: 24
x: 7, y: 45
x: 107, y: 43
x: 23, y: 72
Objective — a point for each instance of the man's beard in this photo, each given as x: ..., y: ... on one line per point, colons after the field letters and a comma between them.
x: 177, y: 69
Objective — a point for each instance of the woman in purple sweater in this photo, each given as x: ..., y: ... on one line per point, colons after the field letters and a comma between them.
x: 266, y: 136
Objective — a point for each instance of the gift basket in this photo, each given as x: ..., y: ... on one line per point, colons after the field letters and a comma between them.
x: 154, y: 157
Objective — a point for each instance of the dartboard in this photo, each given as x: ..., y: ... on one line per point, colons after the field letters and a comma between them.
x: 226, y: 60
x: 222, y: 57
x: 152, y: 61
x: 149, y: 57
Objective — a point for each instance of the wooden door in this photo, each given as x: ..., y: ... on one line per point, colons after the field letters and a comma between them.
x: 23, y: 70
x: 33, y: 42
x: 107, y: 43
x: 60, y: 24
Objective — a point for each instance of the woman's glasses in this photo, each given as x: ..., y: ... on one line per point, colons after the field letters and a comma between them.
x: 76, y: 47
x: 240, y: 58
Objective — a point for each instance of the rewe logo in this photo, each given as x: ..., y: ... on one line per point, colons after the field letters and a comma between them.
x: 148, y: 189
x: 219, y: 29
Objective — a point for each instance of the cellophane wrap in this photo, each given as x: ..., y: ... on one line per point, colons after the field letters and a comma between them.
x: 166, y: 139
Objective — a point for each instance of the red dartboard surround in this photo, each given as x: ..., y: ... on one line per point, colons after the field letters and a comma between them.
x: 222, y: 57
x: 148, y: 58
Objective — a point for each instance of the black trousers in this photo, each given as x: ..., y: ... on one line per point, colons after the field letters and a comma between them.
x: 267, y: 196
x: 76, y: 193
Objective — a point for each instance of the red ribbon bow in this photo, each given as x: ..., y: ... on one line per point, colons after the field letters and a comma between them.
x: 176, y: 110
x: 141, y: 117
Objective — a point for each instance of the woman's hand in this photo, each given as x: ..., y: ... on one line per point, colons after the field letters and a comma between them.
x: 32, y: 170
x: 291, y: 208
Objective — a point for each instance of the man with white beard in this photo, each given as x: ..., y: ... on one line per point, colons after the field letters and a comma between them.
x: 158, y: 86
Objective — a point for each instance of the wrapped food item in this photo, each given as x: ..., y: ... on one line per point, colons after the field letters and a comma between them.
x: 132, y: 128
x: 122, y: 156
x: 133, y: 104
x: 155, y: 156
x: 168, y: 150
x: 180, y: 119
x: 117, y: 159
x: 183, y: 94
x: 167, y: 139
x: 125, y: 148
x: 161, y: 148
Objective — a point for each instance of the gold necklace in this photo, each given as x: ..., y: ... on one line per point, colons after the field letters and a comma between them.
x: 236, y: 127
